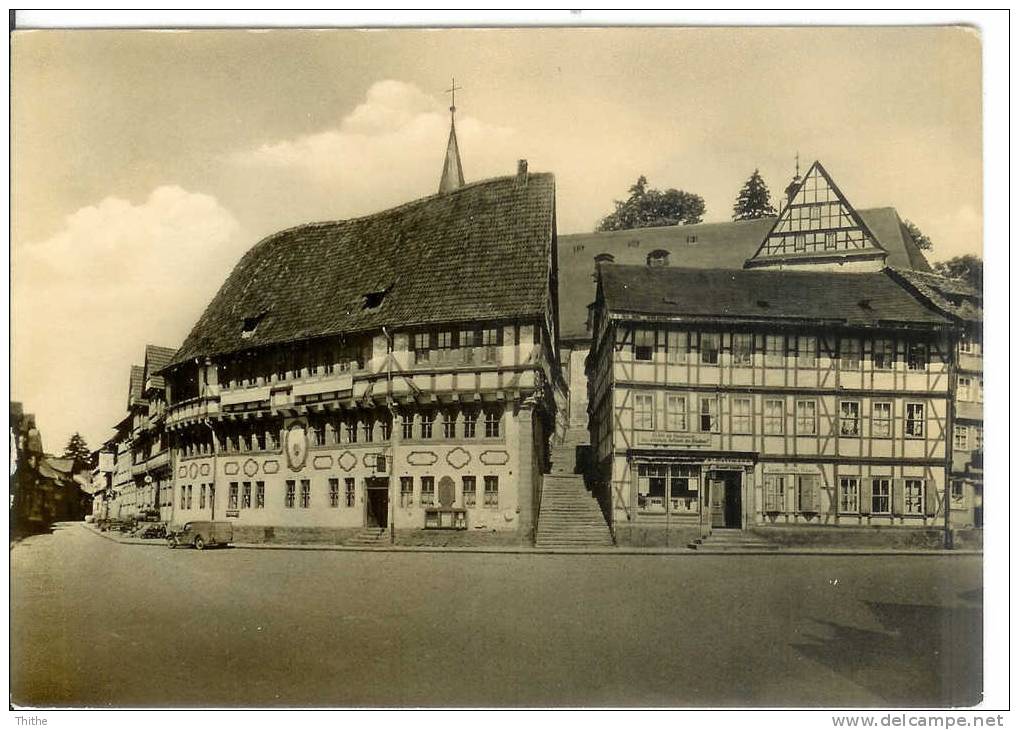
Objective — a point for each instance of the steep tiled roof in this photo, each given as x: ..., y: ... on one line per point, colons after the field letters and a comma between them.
x: 715, y: 246
x: 480, y: 252
x: 156, y: 358
x: 951, y: 296
x: 862, y: 299
x: 136, y: 385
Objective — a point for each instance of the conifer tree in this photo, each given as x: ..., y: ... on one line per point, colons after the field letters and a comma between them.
x: 753, y: 201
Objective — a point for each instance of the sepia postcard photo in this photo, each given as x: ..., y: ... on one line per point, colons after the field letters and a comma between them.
x: 507, y: 367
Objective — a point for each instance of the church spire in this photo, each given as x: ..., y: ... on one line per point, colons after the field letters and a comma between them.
x: 452, y: 171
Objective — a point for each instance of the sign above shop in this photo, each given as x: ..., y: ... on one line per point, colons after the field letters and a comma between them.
x: 674, y: 439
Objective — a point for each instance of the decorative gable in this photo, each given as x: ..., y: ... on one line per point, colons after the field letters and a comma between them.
x: 818, y: 227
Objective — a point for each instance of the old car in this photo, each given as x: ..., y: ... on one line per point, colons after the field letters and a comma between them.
x: 202, y: 535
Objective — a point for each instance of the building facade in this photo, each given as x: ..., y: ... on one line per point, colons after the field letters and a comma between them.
x: 394, y: 375
x: 766, y: 399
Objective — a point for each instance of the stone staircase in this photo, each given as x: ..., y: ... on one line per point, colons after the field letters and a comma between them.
x: 369, y: 537
x: 730, y: 540
x: 570, y: 516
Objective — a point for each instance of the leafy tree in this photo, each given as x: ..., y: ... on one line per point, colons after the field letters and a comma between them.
x: 648, y: 207
x: 968, y: 268
x: 753, y: 201
x: 78, y: 450
x: 921, y: 240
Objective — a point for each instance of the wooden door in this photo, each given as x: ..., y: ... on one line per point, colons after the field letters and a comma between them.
x: 716, y: 491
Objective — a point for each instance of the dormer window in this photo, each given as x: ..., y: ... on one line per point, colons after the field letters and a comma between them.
x: 373, y: 299
x: 658, y: 257
x: 250, y: 324
x: 604, y: 258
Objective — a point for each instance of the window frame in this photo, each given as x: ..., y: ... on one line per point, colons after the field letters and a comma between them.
x: 470, y: 496
x: 774, y: 357
x: 712, y: 414
x: 334, y: 492
x: 642, y: 351
x: 770, y: 419
x: 914, y: 363
x: 800, y: 419
x: 428, y: 491
x: 855, y: 420
x: 644, y: 419
x: 887, y: 420
x: 742, y: 356
x: 305, y: 494
x: 917, y: 500
x: 886, y: 495
x: 705, y: 350
x: 806, y: 357
x: 849, y: 346
x: 350, y: 491
x: 854, y: 481
x: 742, y: 423
x: 961, y: 429
x: 672, y: 415
x: 915, y: 427
x: 491, y: 480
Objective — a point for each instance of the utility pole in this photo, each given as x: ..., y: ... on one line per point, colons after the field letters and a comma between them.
x: 394, y: 434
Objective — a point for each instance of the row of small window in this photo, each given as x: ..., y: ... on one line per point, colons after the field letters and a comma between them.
x: 458, y: 346
x: 469, y: 491
x: 967, y: 437
x: 255, y: 368
x: 680, y: 345
x: 878, y: 496
x: 773, y: 420
x: 813, y: 242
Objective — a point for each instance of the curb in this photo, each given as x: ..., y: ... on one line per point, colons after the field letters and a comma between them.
x: 835, y: 552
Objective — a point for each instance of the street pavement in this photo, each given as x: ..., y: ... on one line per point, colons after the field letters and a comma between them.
x: 95, y: 623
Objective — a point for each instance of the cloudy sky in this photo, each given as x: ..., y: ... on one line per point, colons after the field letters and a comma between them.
x: 146, y: 163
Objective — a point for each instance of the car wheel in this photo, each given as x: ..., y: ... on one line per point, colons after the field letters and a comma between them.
x: 199, y: 543
x: 171, y: 542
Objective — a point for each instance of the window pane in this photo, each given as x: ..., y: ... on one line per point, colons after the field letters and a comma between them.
x: 709, y: 348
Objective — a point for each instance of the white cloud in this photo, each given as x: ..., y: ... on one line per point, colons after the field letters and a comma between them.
x: 118, y: 275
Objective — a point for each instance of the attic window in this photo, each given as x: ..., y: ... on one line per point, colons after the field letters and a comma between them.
x: 763, y: 304
x: 251, y: 324
x: 865, y: 304
x: 373, y: 299
x: 658, y: 257
x: 604, y: 258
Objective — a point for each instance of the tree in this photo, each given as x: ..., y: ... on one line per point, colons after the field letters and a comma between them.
x: 921, y: 240
x: 753, y: 201
x: 78, y: 450
x: 968, y: 268
x: 649, y: 207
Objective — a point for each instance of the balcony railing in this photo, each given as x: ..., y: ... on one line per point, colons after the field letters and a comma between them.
x: 192, y: 410
x: 483, y: 355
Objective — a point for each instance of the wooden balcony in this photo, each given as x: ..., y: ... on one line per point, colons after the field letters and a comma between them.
x: 193, y: 410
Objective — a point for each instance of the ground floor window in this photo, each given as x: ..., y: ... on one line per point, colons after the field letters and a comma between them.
x: 334, y: 492
x: 183, y: 496
x: 291, y: 494
x: 189, y: 496
x: 259, y: 495
x: 958, y: 494
x: 201, y: 498
x: 428, y: 491
x: 406, y: 491
x: 232, y: 500
x: 849, y: 495
x: 470, y: 488
x: 246, y: 496
x: 880, y: 496
x: 774, y: 493
x: 913, y: 496
x: 349, y: 487
x: 491, y: 491
x: 684, y: 488
x: 651, y: 480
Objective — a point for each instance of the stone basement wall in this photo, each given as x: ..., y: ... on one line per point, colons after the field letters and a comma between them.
x: 638, y: 536
x: 970, y: 538
x: 341, y: 535
x: 892, y: 538
x: 461, y: 538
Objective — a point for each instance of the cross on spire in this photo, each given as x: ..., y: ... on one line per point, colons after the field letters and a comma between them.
x: 453, y: 88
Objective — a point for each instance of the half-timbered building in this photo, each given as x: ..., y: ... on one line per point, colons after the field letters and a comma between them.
x: 388, y: 375
x: 766, y: 399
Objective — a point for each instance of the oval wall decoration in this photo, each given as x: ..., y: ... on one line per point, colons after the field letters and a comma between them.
x: 458, y: 458
x: 231, y: 467
x: 347, y: 461
x: 296, y: 446
x: 422, y: 458
x: 193, y: 470
x: 494, y: 458
x: 271, y: 466
x: 250, y: 467
x: 322, y: 462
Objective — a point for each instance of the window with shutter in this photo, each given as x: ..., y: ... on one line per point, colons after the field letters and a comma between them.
x: 809, y: 498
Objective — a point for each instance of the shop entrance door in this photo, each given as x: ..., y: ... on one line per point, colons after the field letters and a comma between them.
x: 726, y: 499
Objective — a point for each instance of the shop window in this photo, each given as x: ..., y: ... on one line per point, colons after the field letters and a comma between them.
x: 677, y: 346
x: 881, y: 496
x: 913, y: 496
x: 806, y: 351
x: 915, y: 420
x: 742, y: 348
x: 675, y: 413
x: 806, y: 417
x: 246, y: 495
x: 709, y: 414
x: 774, y: 350
x: 709, y: 348
x: 428, y: 491
x: 259, y: 495
x: 684, y: 488
x: 232, y: 496
x: 493, y: 419
x: 406, y: 491
x: 492, y: 491
x: 470, y: 489
x: 651, y: 482
x: 643, y: 411
x: 349, y: 487
x: 849, y: 418
x: 883, y: 356
x: 916, y: 356
x: 741, y: 415
x: 334, y: 492
x: 881, y: 419
x: 774, y: 416
x: 849, y: 495
x: 643, y: 344
x: 290, y: 495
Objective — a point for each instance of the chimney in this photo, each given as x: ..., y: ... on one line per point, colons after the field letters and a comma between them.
x: 521, y: 172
